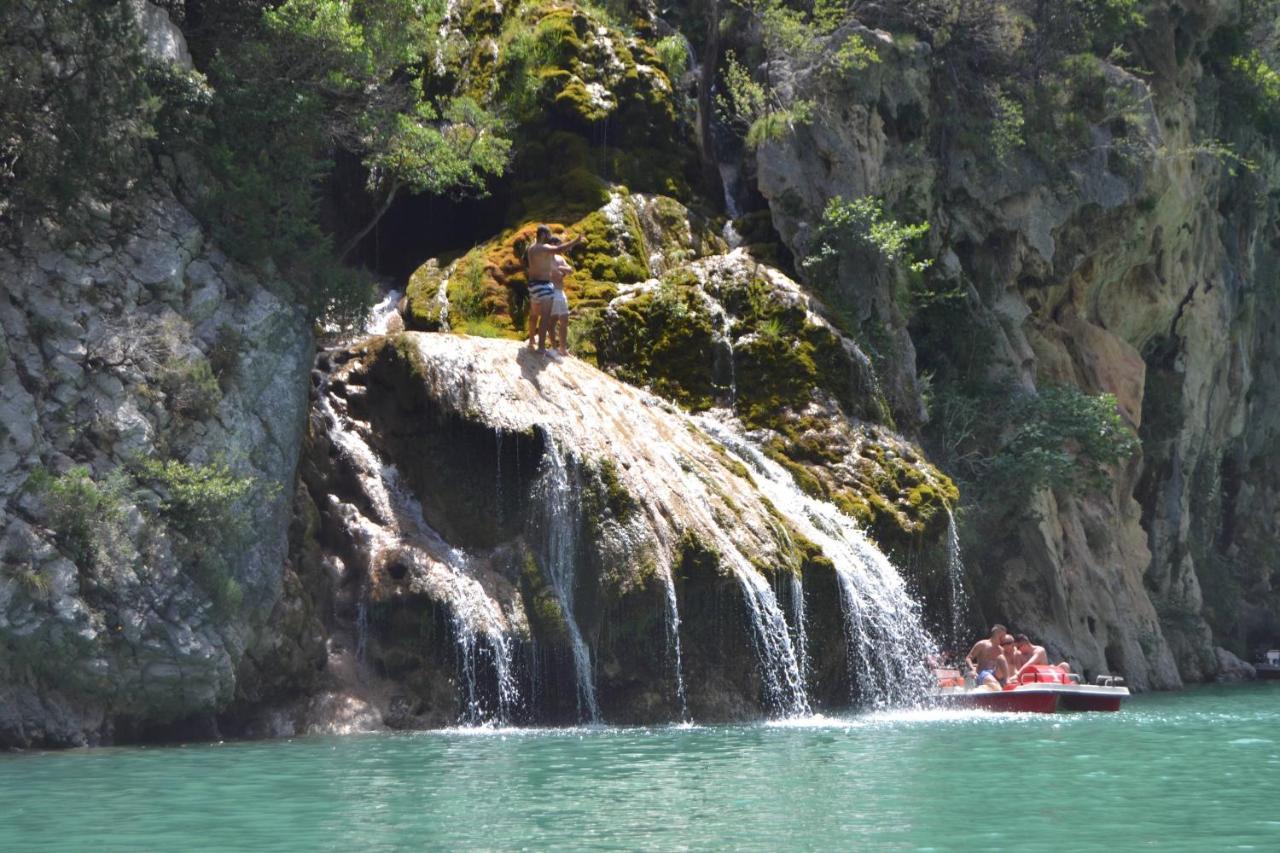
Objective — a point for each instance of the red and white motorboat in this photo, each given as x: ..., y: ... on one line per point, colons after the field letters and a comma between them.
x: 1041, y: 690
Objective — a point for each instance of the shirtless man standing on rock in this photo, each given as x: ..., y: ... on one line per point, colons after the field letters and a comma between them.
x: 986, y: 660
x: 540, y: 262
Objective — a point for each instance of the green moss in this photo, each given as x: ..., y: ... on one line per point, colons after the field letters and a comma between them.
x: 660, y: 339
x: 422, y: 314
x: 546, y: 617
x: 695, y: 557
x: 620, y: 501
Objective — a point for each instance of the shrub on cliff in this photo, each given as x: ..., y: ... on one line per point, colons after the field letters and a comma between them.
x: 75, y: 109
x: 85, y: 514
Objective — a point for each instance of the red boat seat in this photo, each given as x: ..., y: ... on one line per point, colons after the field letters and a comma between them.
x: 1045, y: 675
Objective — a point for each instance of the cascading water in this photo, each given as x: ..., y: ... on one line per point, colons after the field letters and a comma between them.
x: 798, y: 624
x: 955, y: 576
x: 398, y: 531
x: 779, y: 665
x: 557, y: 512
x: 886, y: 637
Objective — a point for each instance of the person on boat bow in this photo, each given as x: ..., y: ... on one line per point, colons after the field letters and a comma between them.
x: 1025, y: 654
x: 986, y: 661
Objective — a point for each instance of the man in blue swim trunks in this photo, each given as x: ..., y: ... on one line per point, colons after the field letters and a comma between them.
x: 986, y: 661
x: 539, y: 260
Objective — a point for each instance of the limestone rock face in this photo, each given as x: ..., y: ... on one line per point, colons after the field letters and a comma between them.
x: 149, y: 344
x: 1151, y: 280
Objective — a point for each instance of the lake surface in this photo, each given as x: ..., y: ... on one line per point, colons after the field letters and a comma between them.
x: 1197, y: 770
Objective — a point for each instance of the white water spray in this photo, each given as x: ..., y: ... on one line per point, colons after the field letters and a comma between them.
x: 398, y: 531
x: 886, y: 638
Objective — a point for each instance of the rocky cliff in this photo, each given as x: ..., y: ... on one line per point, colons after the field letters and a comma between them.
x: 152, y: 408
x: 1069, y: 371
x: 1141, y: 264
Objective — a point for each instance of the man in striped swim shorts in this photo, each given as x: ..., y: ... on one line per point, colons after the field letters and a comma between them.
x: 540, y: 260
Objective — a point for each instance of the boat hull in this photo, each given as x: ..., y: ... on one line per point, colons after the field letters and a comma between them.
x: 1038, y: 698
x: 1011, y: 701
x: 1090, y: 703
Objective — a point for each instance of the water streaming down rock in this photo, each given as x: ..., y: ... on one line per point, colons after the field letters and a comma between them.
x: 780, y: 671
x: 798, y: 624
x: 654, y: 561
x: 557, y: 513
x: 391, y: 529
x: 886, y: 638
x: 955, y: 576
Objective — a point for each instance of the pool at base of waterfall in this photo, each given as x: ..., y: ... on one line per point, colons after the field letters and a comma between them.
x: 1193, y: 770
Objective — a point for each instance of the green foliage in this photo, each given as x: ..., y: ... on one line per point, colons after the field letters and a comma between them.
x: 86, y: 515
x: 1260, y: 83
x: 1007, y: 448
x: 758, y: 109
x: 1063, y: 438
x: 198, y: 499
x: 190, y: 387
x: 467, y: 292
x: 206, y: 510
x: 861, y: 226
x: 316, y: 77
x: 1006, y: 128
x: 674, y: 56
x: 75, y: 108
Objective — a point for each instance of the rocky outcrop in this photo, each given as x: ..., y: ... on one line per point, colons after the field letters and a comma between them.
x: 1125, y: 272
x: 512, y: 537
x: 120, y: 354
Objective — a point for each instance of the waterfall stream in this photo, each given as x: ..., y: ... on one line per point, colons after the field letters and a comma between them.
x: 398, y: 531
x: 884, y: 631
x: 555, y: 496
x: 955, y: 576
x: 673, y: 643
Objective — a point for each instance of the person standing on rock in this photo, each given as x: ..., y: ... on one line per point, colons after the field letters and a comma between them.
x: 986, y: 660
x: 560, y: 268
x: 540, y: 261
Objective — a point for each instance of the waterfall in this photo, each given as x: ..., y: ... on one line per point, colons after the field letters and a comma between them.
x: 798, y: 625
x: 555, y: 499
x: 673, y: 644
x: 884, y: 630
x: 779, y: 666
x: 398, y: 531
x: 955, y: 575
x: 380, y: 315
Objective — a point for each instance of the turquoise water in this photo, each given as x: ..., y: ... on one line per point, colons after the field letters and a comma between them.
x: 1197, y: 770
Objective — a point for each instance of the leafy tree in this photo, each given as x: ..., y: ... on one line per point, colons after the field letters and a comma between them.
x: 751, y: 102
x: 318, y: 78
x: 75, y: 109
x: 861, y: 225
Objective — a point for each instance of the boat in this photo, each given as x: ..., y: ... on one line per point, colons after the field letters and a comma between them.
x: 1041, y: 690
x: 1269, y: 667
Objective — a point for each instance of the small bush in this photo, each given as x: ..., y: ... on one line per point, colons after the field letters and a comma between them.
x: 190, y: 387
x: 205, y: 509
x: 86, y: 515
x: 674, y: 56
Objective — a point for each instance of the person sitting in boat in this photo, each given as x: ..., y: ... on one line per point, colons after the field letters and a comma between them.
x: 986, y: 661
x: 1025, y: 654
